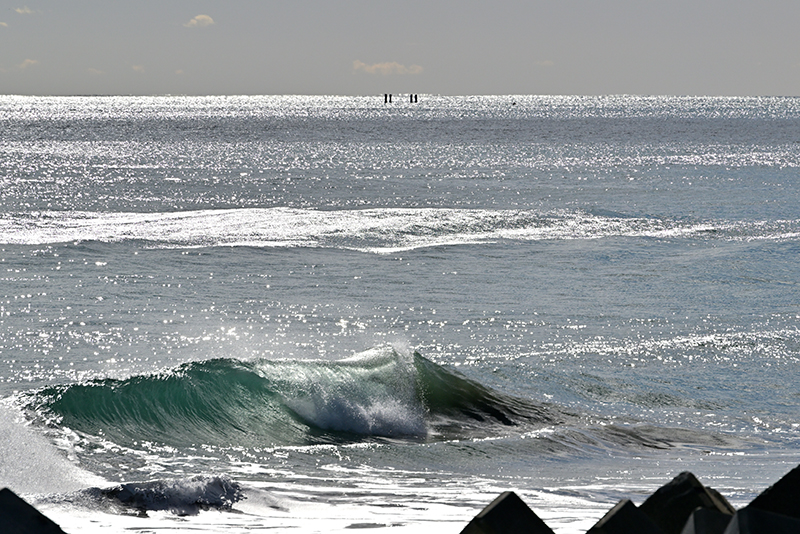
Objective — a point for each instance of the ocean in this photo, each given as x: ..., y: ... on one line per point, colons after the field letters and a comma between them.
x: 322, y: 313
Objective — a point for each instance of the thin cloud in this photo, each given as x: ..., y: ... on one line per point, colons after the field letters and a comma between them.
x: 138, y: 68
x: 25, y: 10
x: 387, y: 68
x: 27, y: 63
x: 95, y: 72
x: 200, y: 21
x: 3, y: 24
x: 545, y: 63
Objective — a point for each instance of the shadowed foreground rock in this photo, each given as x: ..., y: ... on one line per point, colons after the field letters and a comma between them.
x: 783, y: 497
x: 625, y: 518
x: 19, y: 517
x: 706, y: 521
x: 507, y: 513
x: 751, y: 520
x: 682, y: 506
x: 672, y: 504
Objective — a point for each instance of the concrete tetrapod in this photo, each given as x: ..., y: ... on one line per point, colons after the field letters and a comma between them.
x: 783, y: 497
x: 672, y: 504
x: 706, y: 521
x: 625, y: 518
x: 507, y: 514
x: 750, y: 520
x: 19, y: 517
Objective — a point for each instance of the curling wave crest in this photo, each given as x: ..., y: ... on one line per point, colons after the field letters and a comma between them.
x: 380, y: 393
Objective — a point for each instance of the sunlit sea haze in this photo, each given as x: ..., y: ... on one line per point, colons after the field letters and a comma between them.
x: 314, y: 314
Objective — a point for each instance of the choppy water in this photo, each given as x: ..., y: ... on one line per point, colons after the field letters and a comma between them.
x: 329, y: 312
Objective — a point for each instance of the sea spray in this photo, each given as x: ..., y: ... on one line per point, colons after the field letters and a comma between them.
x: 31, y: 463
x: 373, y: 393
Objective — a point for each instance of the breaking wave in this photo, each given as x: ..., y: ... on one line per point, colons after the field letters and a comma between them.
x: 377, y: 394
x: 181, y: 496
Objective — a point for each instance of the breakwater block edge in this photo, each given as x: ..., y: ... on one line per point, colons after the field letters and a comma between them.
x: 682, y: 506
x: 19, y: 517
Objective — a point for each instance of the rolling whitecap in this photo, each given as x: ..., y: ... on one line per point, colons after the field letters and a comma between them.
x: 382, y: 231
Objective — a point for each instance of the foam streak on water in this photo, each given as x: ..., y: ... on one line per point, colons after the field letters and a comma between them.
x: 383, y: 231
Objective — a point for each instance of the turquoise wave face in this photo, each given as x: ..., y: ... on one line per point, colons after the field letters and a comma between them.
x: 377, y: 394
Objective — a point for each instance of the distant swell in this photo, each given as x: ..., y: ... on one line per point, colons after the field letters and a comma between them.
x: 371, y: 230
x: 377, y: 394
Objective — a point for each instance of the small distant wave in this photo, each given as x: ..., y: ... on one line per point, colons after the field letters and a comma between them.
x: 380, y: 393
x: 382, y: 231
x: 182, y: 497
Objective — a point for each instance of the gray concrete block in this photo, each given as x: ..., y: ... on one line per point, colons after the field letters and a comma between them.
x: 783, y: 497
x: 755, y: 521
x: 672, y: 504
x: 706, y: 521
x: 507, y: 514
x: 625, y: 518
x: 19, y: 517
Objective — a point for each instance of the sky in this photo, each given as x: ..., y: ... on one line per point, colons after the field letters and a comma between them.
x: 362, y: 47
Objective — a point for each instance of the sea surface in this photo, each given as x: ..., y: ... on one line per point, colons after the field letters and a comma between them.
x: 321, y: 313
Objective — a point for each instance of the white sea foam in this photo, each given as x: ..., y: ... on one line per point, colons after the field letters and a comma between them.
x: 383, y: 231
